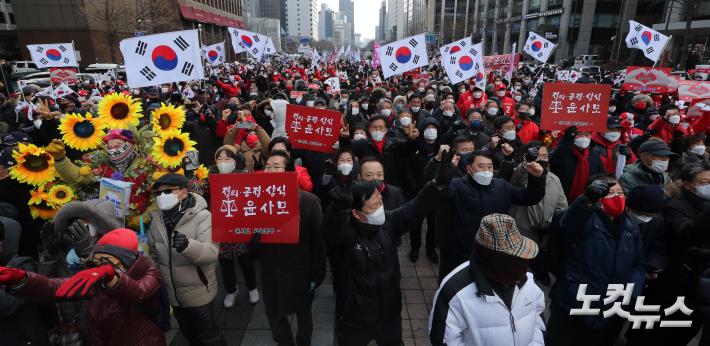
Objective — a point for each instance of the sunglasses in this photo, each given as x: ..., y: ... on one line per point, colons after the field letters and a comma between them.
x: 166, y: 191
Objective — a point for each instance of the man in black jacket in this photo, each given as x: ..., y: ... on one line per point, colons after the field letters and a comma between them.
x: 474, y: 196
x: 368, y: 294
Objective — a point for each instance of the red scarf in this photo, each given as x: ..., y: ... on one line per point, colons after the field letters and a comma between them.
x: 581, y: 175
x: 379, y: 145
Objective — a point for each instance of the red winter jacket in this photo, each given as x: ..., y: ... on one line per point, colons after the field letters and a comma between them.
x: 528, y: 132
x: 116, y: 316
x: 304, y: 179
x: 229, y: 90
x: 466, y: 102
x: 508, y: 105
x: 602, y: 156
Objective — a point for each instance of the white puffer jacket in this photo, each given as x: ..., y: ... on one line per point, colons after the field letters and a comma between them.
x: 466, y: 311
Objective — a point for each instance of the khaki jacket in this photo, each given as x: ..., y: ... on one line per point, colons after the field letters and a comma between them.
x: 190, y: 275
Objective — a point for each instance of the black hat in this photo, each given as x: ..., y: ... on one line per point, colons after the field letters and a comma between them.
x: 6, y: 158
x: 170, y: 179
x: 613, y: 123
x: 646, y: 199
x: 13, y: 138
x: 656, y: 147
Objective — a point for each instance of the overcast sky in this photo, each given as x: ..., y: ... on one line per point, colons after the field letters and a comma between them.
x: 366, y: 15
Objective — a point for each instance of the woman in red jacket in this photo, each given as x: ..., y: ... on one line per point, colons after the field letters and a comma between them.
x: 121, y: 287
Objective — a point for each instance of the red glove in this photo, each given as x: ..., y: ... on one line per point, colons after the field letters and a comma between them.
x: 85, y: 278
x: 11, y: 276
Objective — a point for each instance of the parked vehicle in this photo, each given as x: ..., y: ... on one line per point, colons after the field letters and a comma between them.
x: 588, y: 60
x: 24, y: 67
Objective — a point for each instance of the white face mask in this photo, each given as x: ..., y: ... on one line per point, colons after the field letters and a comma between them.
x: 612, y: 136
x: 359, y: 137
x: 532, y: 111
x: 377, y: 217
x: 167, y: 201
x: 268, y: 113
x: 377, y: 135
x: 310, y: 103
x: 430, y: 134
x: 492, y: 111
x: 448, y: 114
x: 477, y: 94
x: 405, y: 121
x: 355, y: 111
x: 517, y: 98
x: 698, y: 150
x: 299, y: 99
x: 37, y: 123
x: 582, y: 142
x: 365, y: 106
x: 386, y: 112
x: 345, y: 168
x: 509, y: 135
x: 658, y: 166
x: 483, y: 178
x: 501, y: 93
x: 164, y: 90
x: 674, y: 119
x: 612, y: 109
x: 226, y: 167
x: 415, y: 109
x: 638, y: 218
x: 420, y: 90
x: 703, y: 191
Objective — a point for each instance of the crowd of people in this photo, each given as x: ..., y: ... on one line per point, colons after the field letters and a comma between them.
x: 509, y: 207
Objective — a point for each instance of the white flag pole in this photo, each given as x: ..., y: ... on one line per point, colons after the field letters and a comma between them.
x: 662, y: 50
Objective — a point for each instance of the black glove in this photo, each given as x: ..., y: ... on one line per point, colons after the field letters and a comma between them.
x: 82, y: 241
x: 597, y: 189
x: 531, y: 154
x: 623, y: 150
x: 342, y: 198
x: 571, y: 132
x: 254, y: 243
x: 213, y: 78
x: 180, y: 241
x: 446, y: 169
x: 51, y: 240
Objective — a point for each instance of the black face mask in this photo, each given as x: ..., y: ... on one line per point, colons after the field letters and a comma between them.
x: 429, y: 106
x: 523, y: 115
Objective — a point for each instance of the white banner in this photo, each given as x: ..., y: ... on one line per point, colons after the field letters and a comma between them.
x: 162, y: 58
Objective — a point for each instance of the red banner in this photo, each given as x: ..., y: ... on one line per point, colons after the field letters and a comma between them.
x: 500, y: 63
x: 689, y: 90
x: 649, y: 79
x: 244, y: 204
x: 694, y: 110
x: 295, y: 94
x: 582, y: 105
x: 63, y: 75
x: 312, y: 128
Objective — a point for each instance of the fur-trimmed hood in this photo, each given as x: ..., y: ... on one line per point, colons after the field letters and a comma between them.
x: 99, y: 213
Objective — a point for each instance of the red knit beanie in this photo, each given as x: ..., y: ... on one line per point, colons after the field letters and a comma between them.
x: 121, y: 243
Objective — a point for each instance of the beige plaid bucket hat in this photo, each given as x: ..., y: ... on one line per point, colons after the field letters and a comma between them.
x: 499, y: 233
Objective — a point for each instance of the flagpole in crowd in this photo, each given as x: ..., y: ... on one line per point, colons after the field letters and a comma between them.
x: 670, y: 37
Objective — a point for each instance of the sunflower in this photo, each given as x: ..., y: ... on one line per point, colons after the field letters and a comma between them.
x: 167, y: 118
x: 201, y: 172
x: 34, y: 165
x: 170, y: 148
x: 119, y: 111
x: 60, y: 194
x: 159, y: 173
x: 40, y: 207
x: 81, y: 133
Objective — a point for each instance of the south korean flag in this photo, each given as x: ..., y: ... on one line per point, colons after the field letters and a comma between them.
x: 250, y: 42
x: 214, y: 54
x: 454, y: 47
x: 538, y: 47
x: 403, y: 55
x: 465, y: 64
x: 162, y: 58
x: 269, y: 48
x: 53, y: 54
x: 650, y: 41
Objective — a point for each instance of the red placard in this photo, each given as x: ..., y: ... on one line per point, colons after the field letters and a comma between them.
x: 694, y: 110
x: 243, y: 204
x: 689, y: 90
x: 649, y: 79
x: 312, y: 128
x: 500, y: 62
x: 582, y: 105
x: 63, y: 75
x: 295, y: 94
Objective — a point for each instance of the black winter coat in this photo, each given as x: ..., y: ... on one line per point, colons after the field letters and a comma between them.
x: 366, y: 272
x: 203, y: 132
x: 288, y: 269
x: 393, y: 152
x: 467, y: 202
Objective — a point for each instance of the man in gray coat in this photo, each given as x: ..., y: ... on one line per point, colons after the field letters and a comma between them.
x: 181, y: 244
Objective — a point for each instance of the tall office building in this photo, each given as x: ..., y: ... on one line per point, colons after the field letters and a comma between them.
x: 302, y: 18
x: 395, y: 20
x: 348, y: 7
x: 342, y: 29
x: 325, y: 23
x: 381, y: 27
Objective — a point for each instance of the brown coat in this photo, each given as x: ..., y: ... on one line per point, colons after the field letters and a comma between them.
x: 251, y: 155
x: 116, y: 316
